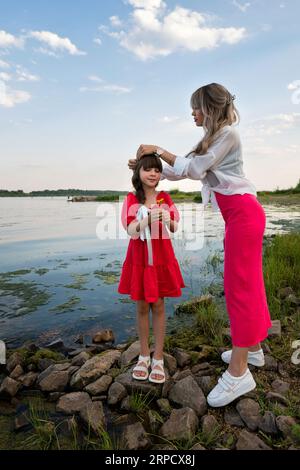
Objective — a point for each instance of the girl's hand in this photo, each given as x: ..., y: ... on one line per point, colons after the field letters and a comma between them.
x: 132, y: 163
x: 166, y: 216
x: 155, y: 215
x: 145, y: 150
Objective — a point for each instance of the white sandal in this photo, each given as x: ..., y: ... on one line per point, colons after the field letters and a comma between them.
x: 140, y: 368
x: 156, y: 371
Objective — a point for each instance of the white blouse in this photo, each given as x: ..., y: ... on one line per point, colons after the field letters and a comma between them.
x: 220, y: 169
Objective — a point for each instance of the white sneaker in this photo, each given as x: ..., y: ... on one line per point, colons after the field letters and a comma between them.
x: 256, y: 358
x: 229, y: 388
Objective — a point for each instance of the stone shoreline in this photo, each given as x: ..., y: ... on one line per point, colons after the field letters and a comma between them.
x: 91, y: 387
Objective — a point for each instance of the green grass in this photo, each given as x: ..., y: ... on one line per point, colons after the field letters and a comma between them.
x: 282, y: 269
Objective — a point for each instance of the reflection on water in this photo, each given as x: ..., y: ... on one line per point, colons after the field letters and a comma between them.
x: 58, y: 279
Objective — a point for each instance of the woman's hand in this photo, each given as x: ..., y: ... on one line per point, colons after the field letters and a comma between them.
x: 145, y: 150
x: 132, y: 163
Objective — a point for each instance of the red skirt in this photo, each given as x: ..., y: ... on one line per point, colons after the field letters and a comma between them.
x: 149, y: 283
x: 244, y: 287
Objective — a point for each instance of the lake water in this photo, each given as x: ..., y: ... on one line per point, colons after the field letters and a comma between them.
x: 60, y: 264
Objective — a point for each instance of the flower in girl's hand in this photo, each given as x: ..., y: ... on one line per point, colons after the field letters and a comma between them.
x: 160, y: 201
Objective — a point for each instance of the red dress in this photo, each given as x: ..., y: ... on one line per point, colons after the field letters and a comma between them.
x: 139, y: 279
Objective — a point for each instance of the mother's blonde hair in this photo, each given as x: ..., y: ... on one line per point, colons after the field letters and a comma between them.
x: 216, y: 104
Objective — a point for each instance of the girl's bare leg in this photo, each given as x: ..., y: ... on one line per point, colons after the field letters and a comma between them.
x: 158, y: 322
x: 143, y: 329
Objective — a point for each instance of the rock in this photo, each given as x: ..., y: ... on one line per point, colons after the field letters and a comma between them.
x: 284, y: 292
x: 167, y: 387
x: 279, y: 386
x: 203, y: 366
x: 209, y: 425
x: 54, y: 396
x: 142, y: 386
x: 135, y: 437
x: 249, y: 441
x: 76, y: 352
x: 104, y: 336
x: 270, y: 363
x: 187, y: 392
x: 182, y: 357
x: 93, y: 416
x: 116, y: 393
x: 267, y: 423
x: 130, y: 354
x: 190, y: 306
x: 292, y: 299
x: 9, y: 387
x: 181, y: 374
x: 170, y: 363
x: 282, y: 371
x: 181, y: 425
x: 72, y: 403
x: 22, y: 422
x: 285, y: 425
x: 54, y: 381
x: 30, y: 346
x: 164, y: 406
x: 79, y: 339
x: 277, y: 397
x: 14, y: 360
x: 232, y: 417
x: 93, y: 368
x: 53, y: 368
x: 275, y: 329
x: 99, y: 386
x: 44, y: 363
x: 18, y: 370
x: 97, y: 348
x: 28, y: 380
x: 80, y: 359
x: 197, y: 447
x: 248, y: 410
x: 125, y: 404
x: 57, y: 345
x: 206, y: 383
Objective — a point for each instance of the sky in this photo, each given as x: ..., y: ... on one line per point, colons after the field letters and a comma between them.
x: 83, y: 83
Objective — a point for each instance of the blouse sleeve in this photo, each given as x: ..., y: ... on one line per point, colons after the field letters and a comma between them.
x: 129, y: 210
x: 169, y: 173
x: 196, y: 167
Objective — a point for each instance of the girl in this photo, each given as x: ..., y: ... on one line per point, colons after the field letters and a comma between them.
x: 217, y: 161
x: 150, y: 271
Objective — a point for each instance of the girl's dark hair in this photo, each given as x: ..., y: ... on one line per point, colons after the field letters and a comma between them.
x: 148, y: 161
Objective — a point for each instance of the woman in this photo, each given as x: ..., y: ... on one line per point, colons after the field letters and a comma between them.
x: 217, y: 161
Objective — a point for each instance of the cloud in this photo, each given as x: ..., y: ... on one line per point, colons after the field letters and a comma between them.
x: 5, y: 76
x: 102, y: 86
x: 56, y: 42
x: 168, y: 119
x: 8, y: 40
x: 272, y: 125
x: 95, y: 78
x: 242, y: 7
x: 10, y: 98
x: 4, y: 65
x: 294, y: 85
x: 97, y: 41
x: 152, y: 31
x: 24, y: 76
x: 115, y: 21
